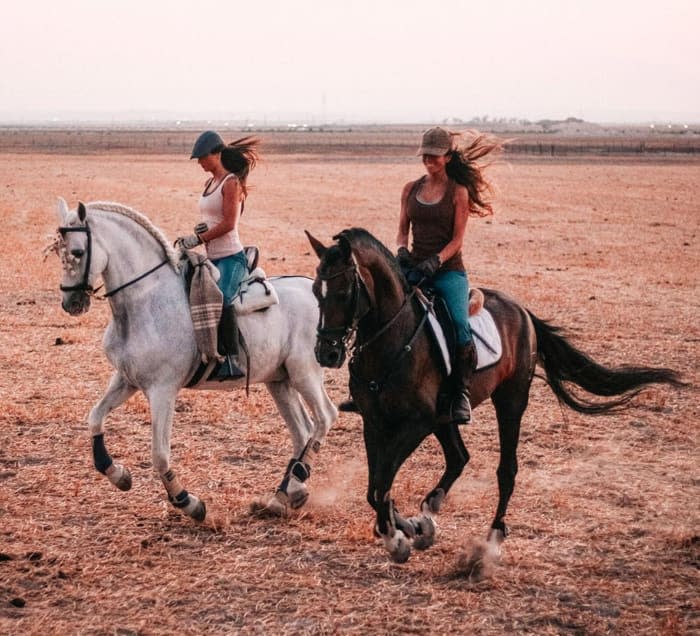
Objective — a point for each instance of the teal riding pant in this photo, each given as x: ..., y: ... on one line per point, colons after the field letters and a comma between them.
x: 453, y: 288
x: 232, y: 269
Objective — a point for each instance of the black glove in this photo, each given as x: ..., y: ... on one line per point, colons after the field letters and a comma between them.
x: 403, y: 258
x: 414, y: 277
x: 429, y: 266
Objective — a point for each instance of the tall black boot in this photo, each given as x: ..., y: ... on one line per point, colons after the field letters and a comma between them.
x: 463, y: 368
x: 228, y: 334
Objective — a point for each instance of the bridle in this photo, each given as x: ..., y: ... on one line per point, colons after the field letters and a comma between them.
x: 335, y: 336
x: 84, y: 285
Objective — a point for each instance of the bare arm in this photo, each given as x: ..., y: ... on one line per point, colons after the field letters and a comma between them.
x: 232, y: 195
x: 404, y: 223
x: 461, y: 202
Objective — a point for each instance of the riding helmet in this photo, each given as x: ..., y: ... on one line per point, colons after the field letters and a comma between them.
x: 206, y: 143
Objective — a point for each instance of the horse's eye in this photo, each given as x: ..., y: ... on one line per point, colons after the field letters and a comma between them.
x: 78, y: 253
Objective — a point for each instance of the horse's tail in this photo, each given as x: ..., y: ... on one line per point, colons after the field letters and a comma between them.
x: 563, y: 364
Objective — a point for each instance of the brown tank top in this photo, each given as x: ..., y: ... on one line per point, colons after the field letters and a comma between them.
x: 432, y: 225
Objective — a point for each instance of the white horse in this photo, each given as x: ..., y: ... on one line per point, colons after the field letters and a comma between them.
x: 150, y: 343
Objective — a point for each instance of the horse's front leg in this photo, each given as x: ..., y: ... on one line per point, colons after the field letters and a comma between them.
x: 385, y: 457
x: 162, y: 403
x: 422, y: 527
x: 118, y: 391
x: 307, y: 435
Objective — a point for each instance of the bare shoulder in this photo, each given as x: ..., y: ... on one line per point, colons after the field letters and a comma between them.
x: 461, y: 194
x: 231, y: 183
x: 407, y: 189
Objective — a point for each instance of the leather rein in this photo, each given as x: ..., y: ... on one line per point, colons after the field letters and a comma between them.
x: 335, y: 335
x: 85, y: 285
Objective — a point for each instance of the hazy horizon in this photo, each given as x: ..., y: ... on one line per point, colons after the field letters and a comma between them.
x: 374, y: 62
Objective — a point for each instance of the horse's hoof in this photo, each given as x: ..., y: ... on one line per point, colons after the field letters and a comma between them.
x: 124, y: 482
x: 119, y: 476
x: 425, y: 533
x: 398, y: 546
x: 199, y: 513
x: 298, y: 499
x: 296, y: 495
x: 277, y: 505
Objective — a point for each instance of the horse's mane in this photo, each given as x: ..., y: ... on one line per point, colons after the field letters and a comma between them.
x: 360, y: 238
x: 142, y: 220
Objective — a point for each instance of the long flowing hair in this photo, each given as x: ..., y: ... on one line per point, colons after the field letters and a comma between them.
x: 240, y: 157
x: 467, y: 149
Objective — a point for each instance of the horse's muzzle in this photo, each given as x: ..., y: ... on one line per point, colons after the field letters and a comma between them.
x: 330, y: 355
x: 75, y: 303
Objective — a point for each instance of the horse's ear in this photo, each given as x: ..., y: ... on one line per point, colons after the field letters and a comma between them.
x: 82, y: 212
x: 61, y: 210
x: 344, y: 245
x: 319, y: 247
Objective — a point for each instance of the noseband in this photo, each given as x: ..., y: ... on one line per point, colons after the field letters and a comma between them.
x: 84, y: 285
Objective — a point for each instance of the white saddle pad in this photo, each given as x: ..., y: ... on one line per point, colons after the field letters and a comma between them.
x: 254, y: 294
x: 489, y: 347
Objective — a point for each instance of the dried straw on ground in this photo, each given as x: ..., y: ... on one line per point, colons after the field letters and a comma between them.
x: 604, y: 518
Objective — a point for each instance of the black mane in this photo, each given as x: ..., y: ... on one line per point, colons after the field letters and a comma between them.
x: 361, y: 238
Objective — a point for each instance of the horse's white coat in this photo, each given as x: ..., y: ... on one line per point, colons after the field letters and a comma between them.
x: 150, y: 340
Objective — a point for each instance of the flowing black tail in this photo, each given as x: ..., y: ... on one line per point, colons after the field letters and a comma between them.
x: 564, y: 363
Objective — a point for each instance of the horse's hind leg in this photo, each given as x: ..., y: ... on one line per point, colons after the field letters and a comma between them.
x: 422, y: 527
x: 292, y: 490
x: 510, y: 401
x: 118, y: 391
x: 162, y: 402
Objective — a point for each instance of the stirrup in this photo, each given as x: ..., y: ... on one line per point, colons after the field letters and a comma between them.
x: 229, y: 370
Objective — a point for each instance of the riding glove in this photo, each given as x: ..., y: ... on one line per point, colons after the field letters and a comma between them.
x: 188, y: 242
x: 429, y: 266
x: 403, y: 257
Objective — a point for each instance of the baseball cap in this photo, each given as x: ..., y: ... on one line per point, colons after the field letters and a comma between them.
x: 436, y: 141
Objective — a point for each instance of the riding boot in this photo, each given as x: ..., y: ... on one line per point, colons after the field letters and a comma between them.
x: 229, y: 340
x: 464, y: 366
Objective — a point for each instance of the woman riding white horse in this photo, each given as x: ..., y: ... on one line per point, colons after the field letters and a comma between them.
x: 150, y: 343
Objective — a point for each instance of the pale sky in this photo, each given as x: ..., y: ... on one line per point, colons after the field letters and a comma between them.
x: 357, y: 60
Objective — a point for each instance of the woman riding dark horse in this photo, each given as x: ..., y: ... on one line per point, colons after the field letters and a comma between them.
x: 396, y: 378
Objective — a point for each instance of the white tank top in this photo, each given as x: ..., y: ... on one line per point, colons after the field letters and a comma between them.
x: 211, y: 207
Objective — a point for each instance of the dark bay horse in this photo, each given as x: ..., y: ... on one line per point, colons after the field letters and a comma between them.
x: 395, y: 378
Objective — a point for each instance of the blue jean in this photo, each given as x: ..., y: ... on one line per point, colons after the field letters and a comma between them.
x: 453, y: 288
x: 233, y: 270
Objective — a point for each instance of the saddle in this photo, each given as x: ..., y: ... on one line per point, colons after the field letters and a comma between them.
x: 483, y: 327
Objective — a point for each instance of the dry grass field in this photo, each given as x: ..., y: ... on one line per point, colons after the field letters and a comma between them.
x: 604, y: 519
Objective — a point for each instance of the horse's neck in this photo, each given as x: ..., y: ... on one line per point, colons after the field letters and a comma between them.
x: 388, y: 301
x: 131, y: 251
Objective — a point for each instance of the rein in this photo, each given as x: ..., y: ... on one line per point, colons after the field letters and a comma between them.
x: 84, y: 285
x: 137, y: 279
x: 334, y: 335
x: 376, y: 385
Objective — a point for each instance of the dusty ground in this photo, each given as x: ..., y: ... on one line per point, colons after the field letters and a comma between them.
x: 604, y: 518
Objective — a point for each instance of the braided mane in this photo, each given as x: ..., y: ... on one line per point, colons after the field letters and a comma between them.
x: 143, y: 221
